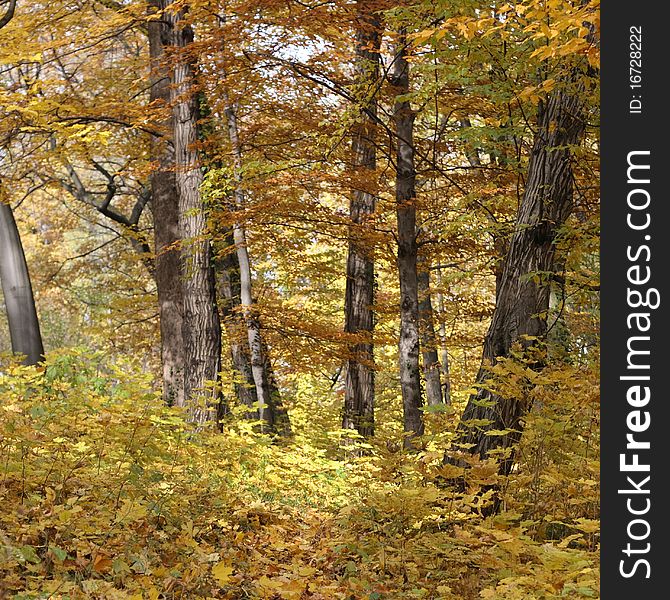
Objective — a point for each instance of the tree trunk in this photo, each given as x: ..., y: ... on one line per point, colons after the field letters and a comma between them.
x: 444, y: 350
x: 431, y: 363
x: 522, y: 299
x: 228, y: 277
x: 256, y: 345
x: 279, y: 419
x: 201, y: 327
x: 24, y: 328
x: 359, y: 390
x: 165, y: 208
x: 408, y: 346
x: 276, y: 417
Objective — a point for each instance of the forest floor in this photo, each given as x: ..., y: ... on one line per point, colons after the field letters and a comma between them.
x: 107, y: 494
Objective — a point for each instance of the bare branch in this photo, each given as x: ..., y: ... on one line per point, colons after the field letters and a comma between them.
x: 9, y: 14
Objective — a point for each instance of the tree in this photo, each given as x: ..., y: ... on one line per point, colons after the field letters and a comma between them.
x: 165, y: 209
x: 431, y: 362
x: 444, y: 362
x: 228, y: 286
x: 522, y: 302
x: 359, y: 295
x: 408, y: 345
x: 259, y: 362
x: 236, y: 325
x: 24, y: 328
x: 201, y: 326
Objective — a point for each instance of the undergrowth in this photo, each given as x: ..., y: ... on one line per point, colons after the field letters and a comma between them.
x: 108, y: 494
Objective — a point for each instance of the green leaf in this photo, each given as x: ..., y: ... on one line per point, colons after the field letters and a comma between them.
x: 59, y: 553
x: 29, y: 555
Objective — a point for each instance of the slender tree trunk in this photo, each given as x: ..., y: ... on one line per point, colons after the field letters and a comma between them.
x: 523, y: 297
x: 359, y: 393
x: 431, y: 363
x: 279, y: 419
x: 165, y: 208
x: 444, y: 350
x: 408, y: 346
x: 500, y: 241
x: 276, y: 417
x: 201, y: 326
x: 256, y: 346
x: 24, y: 328
x: 471, y: 153
x: 228, y: 271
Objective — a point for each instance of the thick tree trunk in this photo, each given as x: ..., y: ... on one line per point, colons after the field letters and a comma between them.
x: 408, y: 346
x: 165, y: 208
x: 24, y: 328
x: 444, y: 350
x: 522, y: 299
x: 431, y: 362
x: 201, y: 327
x: 359, y: 390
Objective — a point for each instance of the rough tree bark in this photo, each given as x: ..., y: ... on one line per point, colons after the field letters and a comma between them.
x: 359, y: 390
x: 24, y: 328
x: 522, y: 303
x: 201, y: 327
x: 408, y: 345
x: 431, y: 362
x: 165, y: 208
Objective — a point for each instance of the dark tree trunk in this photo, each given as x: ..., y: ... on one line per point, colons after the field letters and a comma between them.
x: 522, y: 299
x: 201, y: 327
x: 165, y: 208
x: 359, y: 295
x: 279, y: 419
x: 431, y: 362
x: 408, y: 346
x: 24, y: 328
x: 444, y: 351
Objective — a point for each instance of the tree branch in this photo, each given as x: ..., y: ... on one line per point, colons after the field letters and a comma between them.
x: 136, y: 238
x: 9, y: 14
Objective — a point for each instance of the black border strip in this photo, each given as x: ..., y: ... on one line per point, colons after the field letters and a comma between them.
x: 635, y: 255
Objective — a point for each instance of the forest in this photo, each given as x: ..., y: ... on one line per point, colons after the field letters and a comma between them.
x: 300, y: 299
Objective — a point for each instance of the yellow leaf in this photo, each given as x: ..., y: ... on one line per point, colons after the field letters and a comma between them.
x: 222, y: 572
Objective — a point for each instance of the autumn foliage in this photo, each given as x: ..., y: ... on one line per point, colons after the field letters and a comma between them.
x: 326, y: 267
x: 107, y: 494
